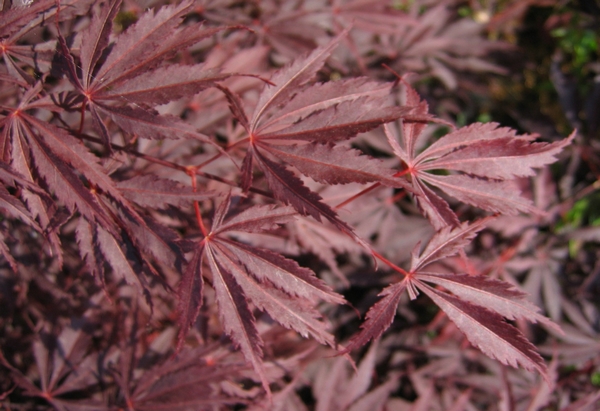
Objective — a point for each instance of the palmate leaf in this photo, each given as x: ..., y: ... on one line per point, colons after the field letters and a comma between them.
x: 489, y: 156
x: 477, y: 306
x: 130, y: 74
x: 65, y: 365
x: 243, y: 275
x: 321, y: 115
x: 121, y: 236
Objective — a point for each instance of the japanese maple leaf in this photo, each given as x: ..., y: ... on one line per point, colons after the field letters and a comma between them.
x: 300, y: 125
x: 17, y: 22
x: 488, y: 157
x: 191, y: 380
x: 477, y: 304
x: 132, y: 75
x: 65, y: 366
x: 112, y: 230
x: 243, y: 274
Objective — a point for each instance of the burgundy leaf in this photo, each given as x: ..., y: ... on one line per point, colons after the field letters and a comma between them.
x: 293, y: 313
x: 379, y: 317
x: 496, y: 196
x: 12, y: 20
x: 321, y: 96
x: 288, y: 79
x: 13, y: 207
x: 138, y: 44
x: 146, y: 123
x: 164, y: 84
x: 65, y: 184
x: 190, y: 295
x: 235, y: 314
x: 155, y: 192
x: 446, y: 242
x: 495, y: 295
x: 334, y: 165
x: 254, y: 219
x: 500, y: 158
x: 339, y: 122
x: 89, y: 249
x: 116, y: 254
x: 283, y: 273
x: 95, y: 39
x: 487, y: 331
x: 290, y: 190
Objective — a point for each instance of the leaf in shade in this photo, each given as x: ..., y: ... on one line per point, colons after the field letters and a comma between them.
x: 12, y: 206
x: 152, y: 239
x: 147, y: 123
x: 190, y: 295
x: 14, y: 19
x: 89, y: 249
x: 153, y: 191
x: 487, y: 331
x: 379, y: 317
x: 116, y: 254
x: 65, y: 365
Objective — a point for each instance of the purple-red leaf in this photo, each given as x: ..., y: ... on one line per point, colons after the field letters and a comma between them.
x: 379, y: 317
x: 495, y: 295
x: 334, y: 164
x: 190, y: 295
x: 288, y: 79
x: 488, y: 331
x: 152, y: 191
x: 447, y: 242
x: 235, y: 314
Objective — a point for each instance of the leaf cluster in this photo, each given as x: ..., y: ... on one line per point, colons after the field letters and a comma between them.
x: 197, y: 197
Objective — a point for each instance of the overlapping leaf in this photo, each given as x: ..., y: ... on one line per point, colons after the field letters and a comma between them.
x: 314, y: 118
x: 65, y: 366
x: 243, y: 274
x: 477, y: 305
x: 131, y: 75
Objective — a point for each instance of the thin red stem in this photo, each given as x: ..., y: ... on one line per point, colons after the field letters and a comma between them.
x: 192, y: 173
x: 369, y: 189
x: 390, y: 264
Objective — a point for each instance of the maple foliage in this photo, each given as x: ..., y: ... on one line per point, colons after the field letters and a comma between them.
x: 192, y: 170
